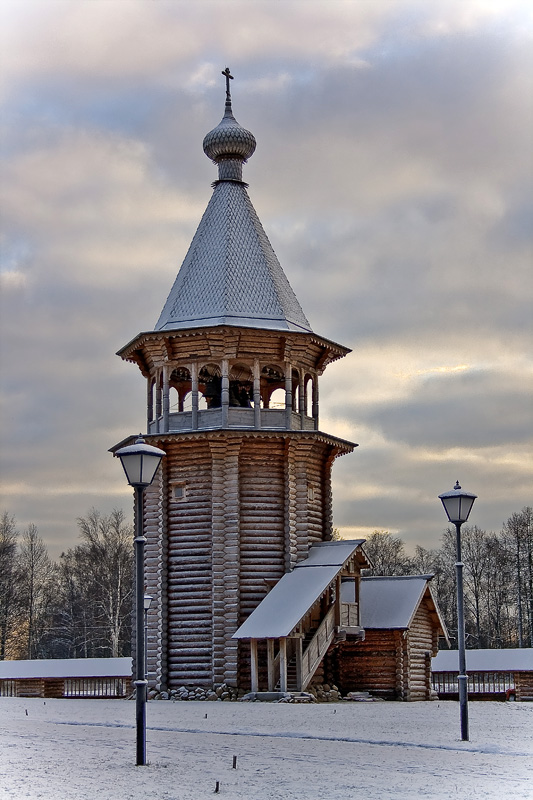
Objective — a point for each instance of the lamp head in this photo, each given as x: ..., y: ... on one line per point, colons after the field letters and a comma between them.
x: 147, y: 601
x: 457, y: 504
x: 140, y: 462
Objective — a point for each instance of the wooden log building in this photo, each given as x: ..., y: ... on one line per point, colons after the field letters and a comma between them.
x: 66, y: 677
x: 243, y: 496
x: 505, y: 674
x: 402, y: 627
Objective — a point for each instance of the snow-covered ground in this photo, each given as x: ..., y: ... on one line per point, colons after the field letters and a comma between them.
x: 85, y: 750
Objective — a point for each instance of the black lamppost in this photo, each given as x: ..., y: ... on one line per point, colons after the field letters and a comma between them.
x: 147, y: 603
x: 140, y: 462
x: 457, y: 505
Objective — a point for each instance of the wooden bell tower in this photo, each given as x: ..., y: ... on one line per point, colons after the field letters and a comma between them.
x: 232, y: 373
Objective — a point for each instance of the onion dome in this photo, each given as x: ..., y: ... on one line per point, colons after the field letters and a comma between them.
x: 229, y: 141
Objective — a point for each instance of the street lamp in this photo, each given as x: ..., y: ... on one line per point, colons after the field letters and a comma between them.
x: 140, y: 462
x: 147, y: 603
x: 458, y: 505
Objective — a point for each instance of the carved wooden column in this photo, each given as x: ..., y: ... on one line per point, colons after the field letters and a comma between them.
x: 166, y: 399
x: 315, y: 400
x: 194, y: 395
x: 158, y: 400
x: 225, y: 392
x: 257, y: 393
x: 149, y: 402
x: 301, y: 398
x: 288, y: 395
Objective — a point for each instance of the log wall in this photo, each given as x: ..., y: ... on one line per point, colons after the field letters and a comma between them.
x: 523, y: 685
x: 420, y: 647
x: 375, y: 665
x: 393, y: 664
x: 252, y: 504
x: 262, y: 520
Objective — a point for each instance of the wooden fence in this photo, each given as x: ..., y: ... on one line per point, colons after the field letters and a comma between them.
x: 479, y: 683
x: 66, y: 687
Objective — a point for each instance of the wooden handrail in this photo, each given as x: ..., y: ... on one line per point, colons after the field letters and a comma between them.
x: 317, y: 647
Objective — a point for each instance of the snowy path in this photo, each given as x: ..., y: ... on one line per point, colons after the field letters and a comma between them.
x: 83, y: 750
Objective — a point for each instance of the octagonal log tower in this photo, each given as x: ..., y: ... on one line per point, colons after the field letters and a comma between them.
x: 232, y: 370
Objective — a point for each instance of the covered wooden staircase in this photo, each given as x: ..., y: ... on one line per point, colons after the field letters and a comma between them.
x: 303, y: 615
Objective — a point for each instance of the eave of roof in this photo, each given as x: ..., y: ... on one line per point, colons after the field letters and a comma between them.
x: 334, y: 350
x: 343, y: 446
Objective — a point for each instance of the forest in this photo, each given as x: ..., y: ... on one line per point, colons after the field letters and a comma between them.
x: 81, y: 605
x: 77, y: 607
x: 497, y: 576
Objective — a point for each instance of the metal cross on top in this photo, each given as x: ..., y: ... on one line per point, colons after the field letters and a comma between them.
x: 229, y: 78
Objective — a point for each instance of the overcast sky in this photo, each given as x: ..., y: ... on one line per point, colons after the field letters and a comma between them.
x: 392, y: 174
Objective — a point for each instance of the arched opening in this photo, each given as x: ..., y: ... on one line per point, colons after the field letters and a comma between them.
x: 308, y: 395
x: 241, y: 386
x: 187, y: 402
x: 277, y: 399
x: 210, y: 385
x: 180, y: 386
x: 272, y: 380
x: 173, y: 400
x: 295, y: 390
x: 151, y: 400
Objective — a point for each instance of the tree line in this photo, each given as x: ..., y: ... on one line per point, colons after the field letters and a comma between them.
x: 77, y: 607
x: 497, y: 576
x: 81, y: 605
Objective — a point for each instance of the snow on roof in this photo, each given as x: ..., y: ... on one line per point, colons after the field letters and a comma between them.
x: 391, y: 602
x: 66, y: 668
x: 326, y: 554
x: 297, y: 591
x: 510, y: 660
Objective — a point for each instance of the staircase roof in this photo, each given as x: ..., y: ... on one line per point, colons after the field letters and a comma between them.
x: 284, y: 607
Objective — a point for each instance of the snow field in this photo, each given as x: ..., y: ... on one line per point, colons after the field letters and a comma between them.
x: 85, y: 750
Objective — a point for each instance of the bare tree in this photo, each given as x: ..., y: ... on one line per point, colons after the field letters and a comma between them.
x: 386, y: 554
x: 106, y: 558
x: 476, y: 555
x: 35, y: 582
x: 518, y: 533
x: 8, y: 579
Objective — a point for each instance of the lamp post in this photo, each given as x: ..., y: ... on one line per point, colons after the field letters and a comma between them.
x: 140, y: 462
x: 458, y: 505
x: 147, y: 603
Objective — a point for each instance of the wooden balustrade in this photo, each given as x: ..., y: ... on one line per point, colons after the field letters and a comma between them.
x: 317, y: 647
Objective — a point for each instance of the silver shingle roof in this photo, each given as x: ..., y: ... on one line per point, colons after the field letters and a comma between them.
x: 231, y: 275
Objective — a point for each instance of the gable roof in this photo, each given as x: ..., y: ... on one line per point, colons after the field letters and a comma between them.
x: 392, y: 602
x: 66, y: 668
x: 509, y: 660
x: 296, y: 592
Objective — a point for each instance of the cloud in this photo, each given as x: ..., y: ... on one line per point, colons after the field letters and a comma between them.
x: 392, y: 176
